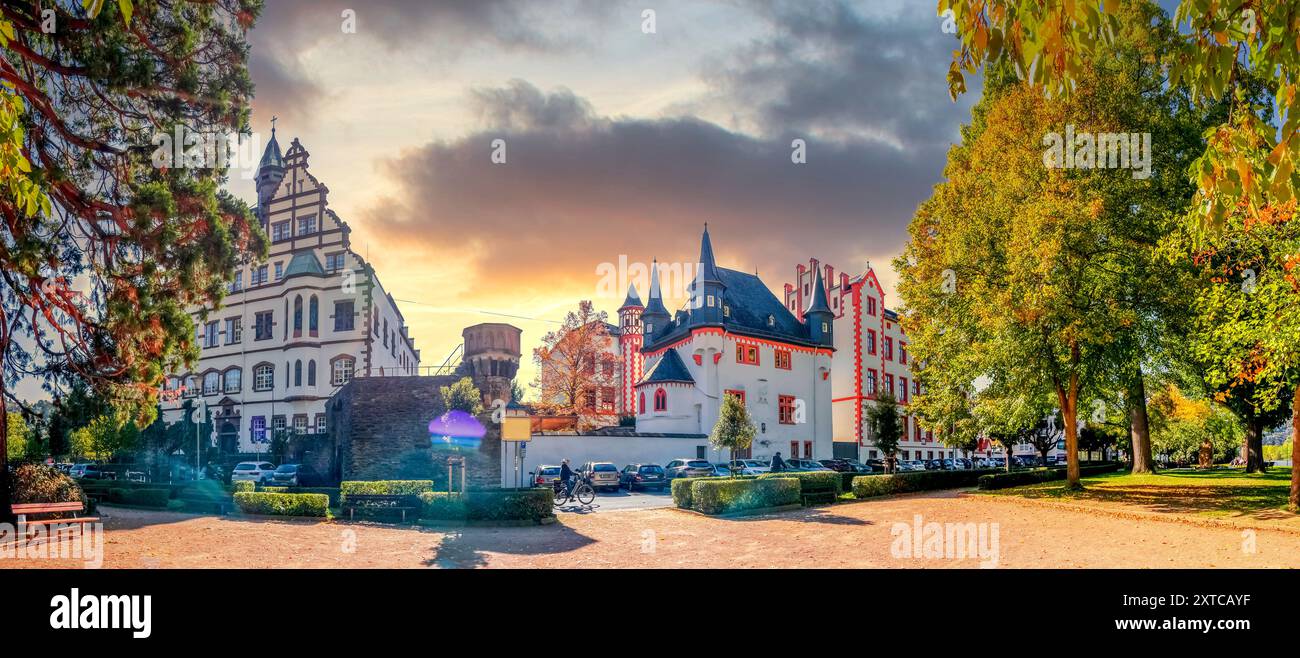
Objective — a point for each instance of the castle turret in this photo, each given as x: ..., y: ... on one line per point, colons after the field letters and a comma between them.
x: 270, y: 171
x: 707, y: 290
x: 630, y: 341
x: 818, y: 317
x: 656, y: 317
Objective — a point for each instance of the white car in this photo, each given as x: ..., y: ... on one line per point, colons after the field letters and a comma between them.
x: 750, y: 466
x: 911, y: 465
x: 260, y: 472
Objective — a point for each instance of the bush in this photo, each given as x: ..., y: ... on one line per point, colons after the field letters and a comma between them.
x: 38, y: 483
x: 243, y: 485
x: 384, y: 487
x: 681, y: 488
x: 276, y: 489
x: 813, y: 480
x: 157, y: 497
x: 282, y: 504
x: 721, y: 495
x: 867, y: 486
x: 1021, y: 478
x: 489, y: 505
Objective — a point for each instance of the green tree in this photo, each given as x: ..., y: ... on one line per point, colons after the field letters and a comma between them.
x: 16, y: 443
x: 105, y: 438
x: 734, y: 429
x: 884, y: 426
x: 462, y: 395
x: 90, y: 204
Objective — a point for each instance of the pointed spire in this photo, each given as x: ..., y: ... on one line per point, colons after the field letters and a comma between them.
x: 818, y: 301
x: 633, y: 300
x: 708, y: 268
x: 271, y: 157
x: 655, y: 306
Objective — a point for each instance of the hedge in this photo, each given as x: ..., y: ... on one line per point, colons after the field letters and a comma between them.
x: 722, y: 495
x: 1020, y: 478
x: 282, y: 504
x: 141, y: 497
x: 532, y: 504
x: 243, y: 485
x: 867, y: 486
x: 812, y: 480
x: 384, y: 487
x: 681, y: 489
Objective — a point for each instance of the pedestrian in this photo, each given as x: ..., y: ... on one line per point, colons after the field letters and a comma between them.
x: 778, y: 464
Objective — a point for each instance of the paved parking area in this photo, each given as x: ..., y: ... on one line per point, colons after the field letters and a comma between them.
x: 622, y: 500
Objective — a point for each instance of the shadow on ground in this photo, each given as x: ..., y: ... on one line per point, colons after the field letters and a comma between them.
x: 468, y: 548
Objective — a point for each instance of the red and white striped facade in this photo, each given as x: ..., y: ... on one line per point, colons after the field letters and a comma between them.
x: 630, y: 340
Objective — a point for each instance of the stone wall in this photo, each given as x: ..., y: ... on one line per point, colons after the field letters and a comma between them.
x: 380, y: 426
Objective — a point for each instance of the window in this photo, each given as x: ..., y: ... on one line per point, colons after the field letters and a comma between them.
x: 785, y: 409
x: 311, y: 372
x: 297, y: 316
x: 237, y: 283
x: 234, y: 330
x: 280, y: 231
x: 889, y: 384
x: 871, y: 382
x: 826, y: 327
x: 902, y: 386
x: 747, y: 354
x: 307, y: 225
x: 191, y: 386
x: 916, y: 427
x: 342, y: 371
x: 277, y: 424
x: 641, y: 405
x: 210, y: 332
x: 709, y: 301
x: 233, y: 377
x: 263, y: 377
x: 297, y: 373
x: 262, y: 325
x: 871, y: 306
x: 807, y: 450
x: 794, y: 450
x: 649, y: 327
x: 258, y: 428
x: 771, y: 320
x: 279, y: 270
x: 258, y: 276
x: 211, y: 383
x: 300, y: 424
x: 726, y: 310
x: 737, y: 394
x: 385, y: 334
x: 334, y: 262
x: 904, y: 420
x: 313, y: 311
x: 661, y: 400
x: 320, y: 423
x: 781, y: 359
x: 889, y: 348
x: 902, y: 352
x: 871, y: 341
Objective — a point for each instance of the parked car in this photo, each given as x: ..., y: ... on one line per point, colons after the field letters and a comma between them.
x: 932, y: 465
x: 545, y: 475
x: 296, y: 475
x: 644, y: 476
x: 876, y: 465
x: 260, y: 472
x: 750, y: 466
x: 688, y: 468
x: 911, y: 465
x: 948, y: 465
x: 803, y: 465
x: 838, y: 465
x: 601, y: 475
x: 963, y: 463
x: 721, y: 470
x: 91, y: 472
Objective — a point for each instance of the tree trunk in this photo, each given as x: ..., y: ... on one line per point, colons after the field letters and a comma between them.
x: 5, y: 513
x: 1295, y: 451
x: 1254, y: 445
x: 1140, y: 428
x: 1069, y: 398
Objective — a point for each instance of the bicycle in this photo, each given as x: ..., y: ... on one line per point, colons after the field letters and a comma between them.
x: 581, y: 490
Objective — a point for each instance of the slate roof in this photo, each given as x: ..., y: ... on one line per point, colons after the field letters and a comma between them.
x: 304, y: 262
x: 632, y: 298
x: 751, y: 302
x: 669, y: 368
x: 271, y: 157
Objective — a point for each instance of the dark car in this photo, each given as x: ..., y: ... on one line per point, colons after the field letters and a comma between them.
x: 296, y: 475
x: 644, y: 476
x: 689, y: 468
x: 933, y: 465
x: 838, y: 465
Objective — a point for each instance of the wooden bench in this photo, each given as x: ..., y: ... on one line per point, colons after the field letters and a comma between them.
x: 22, y: 510
x: 386, y: 502
x: 818, y: 493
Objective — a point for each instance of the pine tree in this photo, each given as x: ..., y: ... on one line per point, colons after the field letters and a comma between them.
x: 734, y: 429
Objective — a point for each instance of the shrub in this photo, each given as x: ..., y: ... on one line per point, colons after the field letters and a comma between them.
x: 1021, y: 478
x: 38, y: 483
x: 384, y: 487
x: 488, y: 505
x: 243, y: 485
x: 276, y: 489
x: 867, y: 486
x: 813, y: 480
x: 282, y: 504
x: 332, y: 492
x: 157, y: 497
x: 721, y: 495
x: 681, y: 488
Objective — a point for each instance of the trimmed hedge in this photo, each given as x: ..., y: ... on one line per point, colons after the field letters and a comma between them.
x: 867, y: 486
x: 1021, y: 478
x: 384, y: 488
x: 282, y: 504
x: 141, y: 497
x: 810, y: 481
x: 681, y: 489
x: 722, y: 495
x: 243, y: 485
x: 533, y: 504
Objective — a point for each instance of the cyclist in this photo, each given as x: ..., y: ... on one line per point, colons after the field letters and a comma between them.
x: 566, y: 477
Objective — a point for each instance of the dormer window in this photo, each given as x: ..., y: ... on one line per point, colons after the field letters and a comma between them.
x: 726, y: 310
x: 649, y: 327
x: 826, y: 327
x: 771, y: 320
x: 708, y: 299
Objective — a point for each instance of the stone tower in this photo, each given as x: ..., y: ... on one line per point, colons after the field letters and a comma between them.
x: 491, y: 358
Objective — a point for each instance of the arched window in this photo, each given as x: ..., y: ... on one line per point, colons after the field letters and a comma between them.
x: 297, y: 373
x: 191, y: 386
x: 341, y: 370
x: 297, y: 316
x: 661, y: 400
x: 264, y: 377
x: 313, y: 311
x: 641, y: 404
x: 311, y: 372
x: 233, y: 380
x: 211, y: 383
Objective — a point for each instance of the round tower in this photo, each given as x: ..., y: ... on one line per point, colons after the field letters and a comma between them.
x: 270, y: 171
x: 630, y: 341
x: 491, y: 358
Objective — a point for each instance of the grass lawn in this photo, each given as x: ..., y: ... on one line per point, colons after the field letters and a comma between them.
x: 1216, y: 493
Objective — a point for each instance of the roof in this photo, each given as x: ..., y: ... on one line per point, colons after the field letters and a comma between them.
x: 271, y: 157
x: 669, y: 368
x: 632, y: 298
x: 818, y: 301
x: 304, y: 262
x: 708, y: 269
x: 750, y: 303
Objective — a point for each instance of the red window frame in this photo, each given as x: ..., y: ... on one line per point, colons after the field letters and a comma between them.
x: 905, y: 419
x: 642, y: 405
x: 902, y: 385
x: 794, y: 450
x: 781, y: 359
x: 785, y: 409
x: 872, y: 383
x: 889, y: 384
x: 744, y: 352
x: 807, y: 450
x: 661, y: 400
x: 888, y: 346
x: 871, y: 306
x: 902, y: 353
x: 737, y: 393
x: 871, y: 341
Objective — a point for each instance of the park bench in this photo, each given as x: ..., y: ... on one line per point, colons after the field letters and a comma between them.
x: 23, y: 510
x: 825, y: 493
x: 381, y: 502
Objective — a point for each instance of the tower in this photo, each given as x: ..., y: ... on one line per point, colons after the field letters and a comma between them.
x: 706, y: 292
x: 492, y: 358
x: 270, y: 171
x: 656, y: 317
x: 818, y: 317
x: 629, y: 348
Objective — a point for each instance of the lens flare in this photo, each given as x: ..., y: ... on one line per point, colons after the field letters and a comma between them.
x: 455, y: 429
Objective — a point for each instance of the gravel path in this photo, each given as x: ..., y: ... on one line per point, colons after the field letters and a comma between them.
x: 846, y: 535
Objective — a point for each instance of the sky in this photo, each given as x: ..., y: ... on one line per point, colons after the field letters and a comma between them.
x: 619, y: 144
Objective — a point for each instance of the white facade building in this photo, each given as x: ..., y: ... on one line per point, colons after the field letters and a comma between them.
x: 294, y: 327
